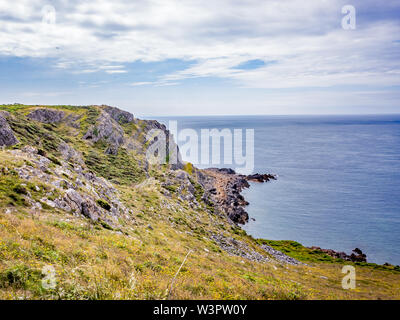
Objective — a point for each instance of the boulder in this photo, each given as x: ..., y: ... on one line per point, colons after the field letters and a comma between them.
x: 46, y: 115
x: 7, y: 137
x: 82, y: 205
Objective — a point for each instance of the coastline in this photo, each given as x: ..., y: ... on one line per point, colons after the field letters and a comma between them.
x: 224, y: 187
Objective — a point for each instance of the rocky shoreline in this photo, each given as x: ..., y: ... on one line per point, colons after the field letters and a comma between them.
x: 224, y: 187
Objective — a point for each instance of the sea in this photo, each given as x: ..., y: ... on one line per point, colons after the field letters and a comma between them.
x: 338, y: 183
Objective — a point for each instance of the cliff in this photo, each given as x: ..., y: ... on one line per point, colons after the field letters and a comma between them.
x: 77, y: 193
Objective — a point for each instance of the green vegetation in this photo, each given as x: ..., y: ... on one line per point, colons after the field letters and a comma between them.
x: 188, y: 168
x: 301, y: 253
x: 104, y: 204
x: 122, y: 168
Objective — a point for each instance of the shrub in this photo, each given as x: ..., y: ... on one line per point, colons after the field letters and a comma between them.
x: 104, y: 204
x: 20, y: 189
x: 188, y: 168
x: 19, y: 277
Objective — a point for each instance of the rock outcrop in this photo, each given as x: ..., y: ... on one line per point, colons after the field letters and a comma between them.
x: 238, y: 248
x: 260, y: 177
x: 46, y: 115
x: 7, y: 137
x: 69, y: 154
x: 107, y: 129
x: 356, y: 256
x: 80, y: 192
x: 119, y: 115
x: 223, y: 189
x: 172, y: 148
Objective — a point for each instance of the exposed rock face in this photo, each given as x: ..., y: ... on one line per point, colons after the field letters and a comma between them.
x: 7, y: 137
x: 79, y: 204
x: 238, y: 248
x: 223, y: 189
x: 172, y: 148
x: 46, y: 115
x: 280, y: 256
x: 78, y: 189
x: 356, y: 256
x: 70, y: 154
x: 119, y: 115
x: 106, y: 129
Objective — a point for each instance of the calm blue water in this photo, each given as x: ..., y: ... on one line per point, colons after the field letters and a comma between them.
x: 338, y: 185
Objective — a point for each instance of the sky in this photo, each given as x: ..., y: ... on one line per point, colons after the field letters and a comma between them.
x: 195, y: 57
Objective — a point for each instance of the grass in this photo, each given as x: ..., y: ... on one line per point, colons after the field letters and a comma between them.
x: 96, y: 263
x: 301, y: 253
x: 122, y: 168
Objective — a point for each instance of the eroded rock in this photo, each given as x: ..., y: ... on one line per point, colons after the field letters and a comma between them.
x: 119, y: 115
x: 46, y: 115
x: 106, y: 129
x: 7, y: 137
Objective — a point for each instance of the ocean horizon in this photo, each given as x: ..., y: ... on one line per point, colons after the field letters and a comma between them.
x: 338, y: 180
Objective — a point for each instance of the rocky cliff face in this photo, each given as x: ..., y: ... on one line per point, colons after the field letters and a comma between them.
x: 81, y: 154
x: 46, y: 115
x: 108, y: 130
x: 115, y: 133
x: 7, y: 137
x: 223, y: 187
x: 54, y: 158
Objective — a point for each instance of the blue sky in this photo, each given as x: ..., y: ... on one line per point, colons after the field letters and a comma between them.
x: 156, y: 57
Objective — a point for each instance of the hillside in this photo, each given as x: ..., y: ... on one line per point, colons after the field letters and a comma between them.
x: 78, y: 197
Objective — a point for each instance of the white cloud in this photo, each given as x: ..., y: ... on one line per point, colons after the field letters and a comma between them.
x: 303, y: 37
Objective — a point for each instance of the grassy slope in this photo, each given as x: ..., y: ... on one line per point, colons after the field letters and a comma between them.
x: 139, y: 262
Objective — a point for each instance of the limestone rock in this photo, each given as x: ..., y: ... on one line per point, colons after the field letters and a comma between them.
x: 119, y: 115
x: 70, y: 154
x: 108, y: 130
x: 7, y: 137
x: 46, y: 115
x: 82, y: 205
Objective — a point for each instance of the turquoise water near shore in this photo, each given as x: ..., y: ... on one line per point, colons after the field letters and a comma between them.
x: 338, y: 181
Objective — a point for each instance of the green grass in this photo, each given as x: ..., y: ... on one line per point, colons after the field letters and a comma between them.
x: 301, y: 253
x: 121, y: 168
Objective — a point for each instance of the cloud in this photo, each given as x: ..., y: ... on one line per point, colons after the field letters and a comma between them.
x: 303, y: 38
x: 142, y: 83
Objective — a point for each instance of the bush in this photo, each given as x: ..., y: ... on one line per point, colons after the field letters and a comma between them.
x: 55, y: 161
x: 104, y: 204
x: 188, y: 168
x: 20, y: 189
x: 19, y: 277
